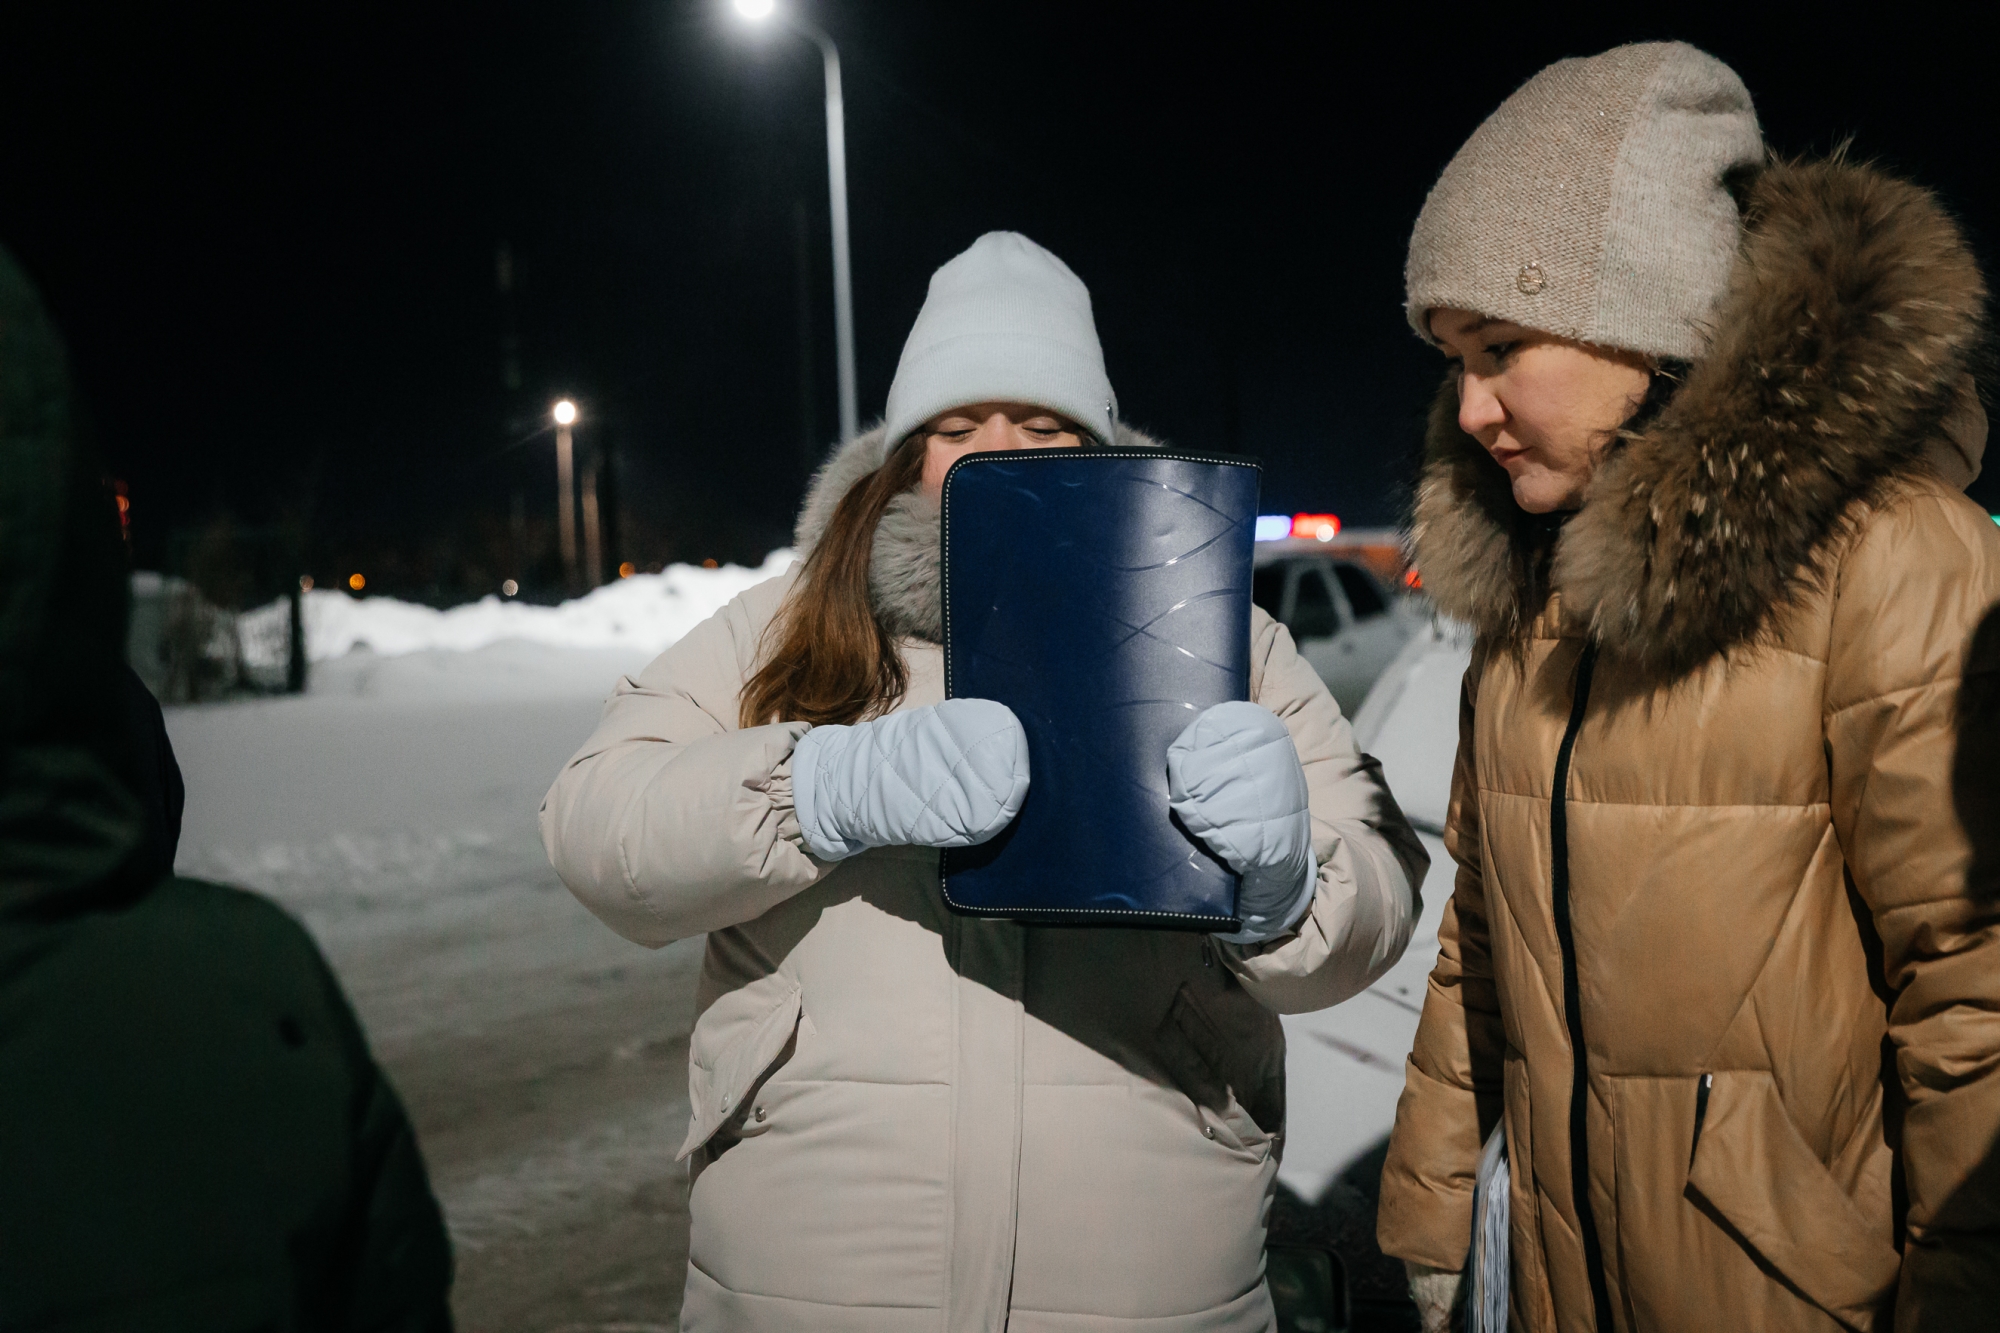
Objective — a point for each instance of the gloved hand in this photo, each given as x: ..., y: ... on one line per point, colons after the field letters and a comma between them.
x: 1234, y: 779
x: 950, y: 775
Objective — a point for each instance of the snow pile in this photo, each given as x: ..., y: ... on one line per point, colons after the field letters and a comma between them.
x: 645, y: 613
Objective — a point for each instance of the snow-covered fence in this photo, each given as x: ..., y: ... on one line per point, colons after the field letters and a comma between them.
x: 182, y: 645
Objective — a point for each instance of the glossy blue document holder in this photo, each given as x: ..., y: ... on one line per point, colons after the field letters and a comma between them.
x: 1104, y: 596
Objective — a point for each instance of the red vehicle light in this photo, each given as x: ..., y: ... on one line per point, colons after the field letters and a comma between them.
x: 1320, y: 527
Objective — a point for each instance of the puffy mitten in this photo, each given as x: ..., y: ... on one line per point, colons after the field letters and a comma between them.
x: 950, y: 775
x: 1234, y: 779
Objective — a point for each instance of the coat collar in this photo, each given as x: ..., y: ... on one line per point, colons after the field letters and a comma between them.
x: 905, y: 564
x: 1838, y: 362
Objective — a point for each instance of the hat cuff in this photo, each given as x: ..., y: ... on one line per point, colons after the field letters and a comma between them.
x: 1001, y: 368
x: 1656, y: 334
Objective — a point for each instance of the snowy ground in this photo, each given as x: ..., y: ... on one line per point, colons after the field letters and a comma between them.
x: 543, y: 1059
x: 1344, y: 1066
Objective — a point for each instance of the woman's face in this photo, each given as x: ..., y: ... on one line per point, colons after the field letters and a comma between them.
x: 1543, y: 406
x: 952, y: 435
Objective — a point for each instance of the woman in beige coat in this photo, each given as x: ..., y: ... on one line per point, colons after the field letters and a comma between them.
x: 1711, y: 958
x: 908, y: 1119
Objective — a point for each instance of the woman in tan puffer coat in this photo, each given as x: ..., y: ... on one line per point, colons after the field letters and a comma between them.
x: 1711, y: 959
x: 907, y: 1119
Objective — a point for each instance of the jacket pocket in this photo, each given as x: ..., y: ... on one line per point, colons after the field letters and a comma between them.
x: 1194, y: 1052
x: 735, y: 1045
x: 1751, y: 1165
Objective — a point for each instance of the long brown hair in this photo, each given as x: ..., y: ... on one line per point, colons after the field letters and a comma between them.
x: 826, y: 658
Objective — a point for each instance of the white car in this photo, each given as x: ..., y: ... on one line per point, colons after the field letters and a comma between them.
x: 1344, y: 1066
x: 1347, y: 625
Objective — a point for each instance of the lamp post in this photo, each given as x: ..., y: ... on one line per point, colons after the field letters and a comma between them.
x: 564, y: 413
x: 593, y: 527
x: 836, y: 174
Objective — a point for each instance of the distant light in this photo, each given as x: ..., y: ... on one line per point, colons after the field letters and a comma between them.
x: 509, y: 588
x: 305, y: 583
x: 564, y: 412
x: 356, y: 582
x: 627, y: 570
x: 1320, y: 527
x: 755, y: 9
x: 1273, y: 527
x: 711, y: 563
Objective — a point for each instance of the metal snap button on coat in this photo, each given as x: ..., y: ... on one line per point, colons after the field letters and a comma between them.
x: 1531, y: 280
x: 760, y: 1115
x: 1210, y: 1131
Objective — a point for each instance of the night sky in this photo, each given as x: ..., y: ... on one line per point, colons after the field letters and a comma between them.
x: 270, y: 234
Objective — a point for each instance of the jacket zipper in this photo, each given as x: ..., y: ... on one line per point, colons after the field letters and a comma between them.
x: 1579, y: 1097
x: 1700, y: 1114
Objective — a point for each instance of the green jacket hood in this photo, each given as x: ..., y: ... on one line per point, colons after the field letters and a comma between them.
x: 73, y: 833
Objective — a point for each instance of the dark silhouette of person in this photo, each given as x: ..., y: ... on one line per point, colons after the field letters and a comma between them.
x: 192, y: 1132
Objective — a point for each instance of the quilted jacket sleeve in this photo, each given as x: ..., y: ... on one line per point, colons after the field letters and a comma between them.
x: 1444, y: 1114
x: 1911, y: 592
x: 671, y: 821
x: 1370, y: 861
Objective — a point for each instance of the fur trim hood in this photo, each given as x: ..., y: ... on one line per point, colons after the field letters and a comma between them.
x: 1839, y: 361
x: 904, y: 569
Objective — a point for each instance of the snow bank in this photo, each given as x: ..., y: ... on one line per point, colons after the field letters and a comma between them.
x: 643, y: 613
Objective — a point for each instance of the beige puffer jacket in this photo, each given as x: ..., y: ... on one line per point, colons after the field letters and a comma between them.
x: 1711, y: 954
x: 907, y: 1119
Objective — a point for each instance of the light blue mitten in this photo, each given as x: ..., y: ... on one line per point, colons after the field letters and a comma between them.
x: 1233, y: 777
x: 950, y: 775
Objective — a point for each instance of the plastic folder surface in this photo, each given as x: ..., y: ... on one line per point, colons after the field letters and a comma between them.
x: 1104, y: 596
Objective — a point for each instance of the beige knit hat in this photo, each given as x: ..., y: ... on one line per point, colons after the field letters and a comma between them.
x: 1591, y: 205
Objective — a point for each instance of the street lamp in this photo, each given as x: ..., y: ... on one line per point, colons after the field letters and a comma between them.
x: 836, y: 173
x: 564, y: 413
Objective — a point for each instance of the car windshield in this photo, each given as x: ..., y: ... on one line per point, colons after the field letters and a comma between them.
x: 1267, y: 589
x: 1313, y: 616
x: 1362, y: 595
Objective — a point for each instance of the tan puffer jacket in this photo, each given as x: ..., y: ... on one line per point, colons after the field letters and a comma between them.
x: 907, y: 1119
x: 1711, y: 952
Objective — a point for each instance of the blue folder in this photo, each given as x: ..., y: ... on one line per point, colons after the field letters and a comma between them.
x: 1104, y: 596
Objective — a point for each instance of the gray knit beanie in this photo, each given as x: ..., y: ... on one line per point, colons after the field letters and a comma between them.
x: 1592, y: 204
x: 1005, y: 322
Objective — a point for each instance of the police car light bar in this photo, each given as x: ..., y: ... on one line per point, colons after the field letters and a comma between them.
x: 1273, y: 527
x: 1313, y: 527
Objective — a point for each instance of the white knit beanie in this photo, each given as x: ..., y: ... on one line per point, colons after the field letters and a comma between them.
x: 1592, y: 204
x: 1005, y: 322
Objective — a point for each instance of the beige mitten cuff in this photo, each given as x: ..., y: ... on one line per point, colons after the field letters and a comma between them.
x: 1436, y: 1293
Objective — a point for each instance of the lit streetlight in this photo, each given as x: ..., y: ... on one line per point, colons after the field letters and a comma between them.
x: 757, y: 11
x: 564, y: 413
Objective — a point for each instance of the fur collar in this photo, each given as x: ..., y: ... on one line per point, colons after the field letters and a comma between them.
x: 1838, y: 359
x: 904, y: 579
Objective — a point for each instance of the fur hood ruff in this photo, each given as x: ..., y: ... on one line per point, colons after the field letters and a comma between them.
x: 1839, y: 360
x: 904, y: 569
